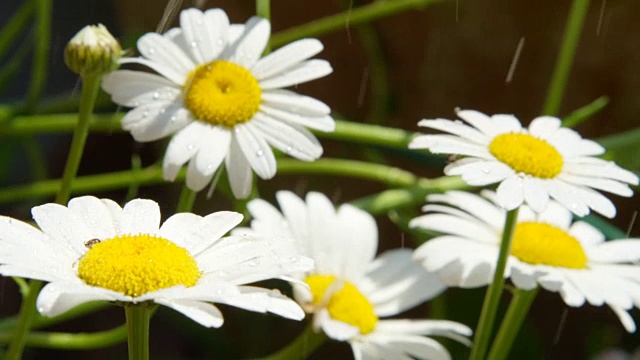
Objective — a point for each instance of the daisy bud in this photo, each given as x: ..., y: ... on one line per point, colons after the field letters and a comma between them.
x: 92, y: 50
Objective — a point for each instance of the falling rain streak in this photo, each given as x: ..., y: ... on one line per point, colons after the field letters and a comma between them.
x: 601, y: 17
x: 514, y: 61
x: 170, y: 11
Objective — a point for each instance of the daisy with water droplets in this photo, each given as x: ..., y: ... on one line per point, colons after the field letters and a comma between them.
x: 225, y: 102
x: 350, y: 290
x: 95, y: 250
x: 549, y: 249
x: 531, y: 164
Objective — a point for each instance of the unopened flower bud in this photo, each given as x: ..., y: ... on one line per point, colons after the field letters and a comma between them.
x: 92, y: 51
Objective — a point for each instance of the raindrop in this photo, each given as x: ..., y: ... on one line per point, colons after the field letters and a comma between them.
x: 220, y: 42
x: 220, y: 291
x: 259, y: 153
x: 156, y: 95
x: 145, y: 114
x: 289, y: 149
x: 190, y: 146
x: 194, y: 44
x: 293, y: 259
x: 254, y: 262
x: 173, y: 119
x: 485, y: 171
x: 151, y: 51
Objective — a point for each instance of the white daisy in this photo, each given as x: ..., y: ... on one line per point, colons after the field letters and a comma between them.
x: 548, y: 249
x: 350, y: 290
x: 223, y: 99
x: 531, y: 164
x: 95, y: 250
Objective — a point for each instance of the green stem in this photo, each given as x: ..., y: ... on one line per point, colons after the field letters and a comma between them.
x: 388, y: 200
x: 492, y: 297
x: 187, y: 199
x: 263, y: 9
x: 17, y: 22
x: 562, y: 70
x: 303, y: 346
x: 27, y: 314
x: 63, y: 123
x: 41, y: 53
x: 586, y: 112
x: 517, y: 311
x: 42, y: 321
x: 360, y: 15
x: 90, y: 88
x: 151, y: 175
x: 138, y: 316
x: 65, y: 341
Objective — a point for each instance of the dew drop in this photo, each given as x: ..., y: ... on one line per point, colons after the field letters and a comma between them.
x: 254, y: 262
x: 190, y: 147
x: 220, y: 42
x: 145, y: 114
x: 289, y: 149
x: 293, y: 259
x: 151, y: 51
x: 486, y: 171
x: 173, y: 119
x: 156, y: 95
x: 220, y: 291
x: 194, y: 44
x: 259, y: 153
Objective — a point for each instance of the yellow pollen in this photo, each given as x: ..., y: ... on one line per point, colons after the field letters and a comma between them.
x: 538, y: 243
x: 137, y: 264
x: 222, y: 93
x: 347, y: 304
x: 527, y: 154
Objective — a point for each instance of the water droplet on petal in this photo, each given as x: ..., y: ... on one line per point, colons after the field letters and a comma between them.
x: 254, y: 262
x: 194, y: 44
x: 259, y: 153
x: 156, y: 95
x: 151, y: 51
x: 485, y: 171
x: 289, y: 149
x: 145, y: 114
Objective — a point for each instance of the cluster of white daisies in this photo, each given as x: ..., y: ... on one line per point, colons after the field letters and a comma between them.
x: 225, y: 106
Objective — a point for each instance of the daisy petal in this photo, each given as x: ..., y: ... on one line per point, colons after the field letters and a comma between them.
x: 294, y: 141
x: 543, y: 126
x: 238, y: 171
x: 289, y: 101
x: 255, y: 150
x: 203, y: 313
x: 58, y: 298
x: 140, y: 216
x: 510, y: 192
x: 298, y: 74
x: 183, y: 146
x: 135, y: 88
x: 252, y: 42
x: 285, y: 57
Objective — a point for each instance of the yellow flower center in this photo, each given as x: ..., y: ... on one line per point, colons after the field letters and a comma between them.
x: 137, y: 264
x: 527, y: 154
x: 347, y: 304
x: 538, y: 243
x: 222, y: 93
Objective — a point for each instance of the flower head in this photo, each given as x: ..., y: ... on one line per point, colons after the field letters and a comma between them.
x: 92, y: 50
x: 225, y: 102
x: 95, y: 250
x: 350, y: 290
x: 531, y: 164
x: 548, y: 249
